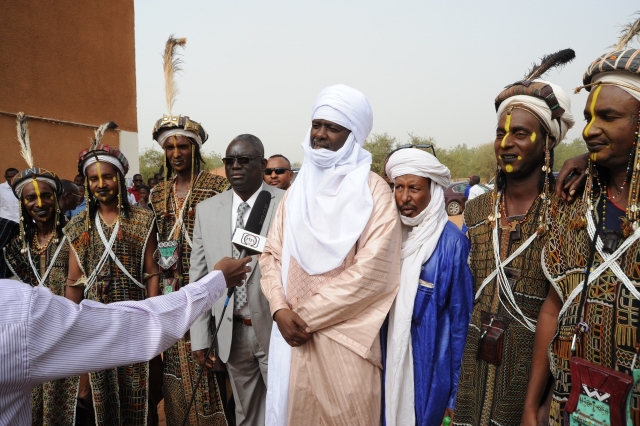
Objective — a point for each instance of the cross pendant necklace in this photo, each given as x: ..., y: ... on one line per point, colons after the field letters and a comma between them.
x: 514, y: 228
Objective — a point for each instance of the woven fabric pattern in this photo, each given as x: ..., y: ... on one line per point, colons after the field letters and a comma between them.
x: 611, y: 312
x: 619, y: 60
x: 490, y: 394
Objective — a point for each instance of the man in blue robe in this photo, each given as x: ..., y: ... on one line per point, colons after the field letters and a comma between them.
x: 423, y: 341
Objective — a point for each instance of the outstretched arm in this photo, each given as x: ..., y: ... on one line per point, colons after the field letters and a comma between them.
x: 108, y: 335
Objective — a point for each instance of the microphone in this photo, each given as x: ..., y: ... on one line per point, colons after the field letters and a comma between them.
x: 248, y: 240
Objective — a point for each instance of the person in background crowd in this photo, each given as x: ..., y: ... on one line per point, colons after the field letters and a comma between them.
x: 83, y: 202
x: 174, y: 201
x: 243, y: 339
x: 475, y: 188
x: 39, y: 256
x: 78, y: 180
x: 113, y: 245
x: 507, y: 234
x: 144, y: 192
x: 135, y: 189
x: 71, y: 197
x: 278, y: 172
x: 331, y: 269
x: 151, y: 183
x: 9, y: 204
x: 427, y: 327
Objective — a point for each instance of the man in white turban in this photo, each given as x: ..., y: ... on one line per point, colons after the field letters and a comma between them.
x: 507, y: 230
x: 428, y: 321
x: 330, y: 271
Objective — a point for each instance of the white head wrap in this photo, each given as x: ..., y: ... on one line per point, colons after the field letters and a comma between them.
x: 102, y: 158
x: 20, y: 187
x: 543, y: 111
x: 416, y: 250
x: 621, y: 78
x: 330, y: 202
x: 179, y: 132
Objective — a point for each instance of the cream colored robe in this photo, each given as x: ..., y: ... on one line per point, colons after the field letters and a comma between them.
x: 335, y: 377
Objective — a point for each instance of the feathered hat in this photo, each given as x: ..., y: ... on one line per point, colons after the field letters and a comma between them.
x: 32, y: 172
x: 173, y: 125
x: 101, y: 152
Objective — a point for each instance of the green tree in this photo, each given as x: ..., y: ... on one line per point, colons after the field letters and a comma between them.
x: 212, y: 161
x: 566, y: 150
x: 296, y: 164
x: 150, y: 162
x: 379, y: 146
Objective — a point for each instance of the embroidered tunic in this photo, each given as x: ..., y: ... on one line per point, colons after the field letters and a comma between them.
x: 120, y: 395
x: 180, y: 369
x: 611, y: 311
x: 52, y: 403
x: 490, y: 394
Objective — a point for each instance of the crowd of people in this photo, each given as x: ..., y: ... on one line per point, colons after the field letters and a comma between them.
x: 367, y: 305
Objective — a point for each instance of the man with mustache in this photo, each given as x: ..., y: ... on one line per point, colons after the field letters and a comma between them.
x: 39, y: 256
x: 243, y: 339
x: 592, y: 331
x: 506, y: 228
x: 278, y: 172
x: 428, y: 321
x: 112, y: 245
x: 331, y: 269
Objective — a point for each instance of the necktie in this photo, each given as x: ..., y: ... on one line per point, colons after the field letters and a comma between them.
x: 240, y: 292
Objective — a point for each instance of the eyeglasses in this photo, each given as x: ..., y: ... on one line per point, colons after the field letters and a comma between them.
x: 278, y: 170
x: 419, y: 146
x: 241, y: 159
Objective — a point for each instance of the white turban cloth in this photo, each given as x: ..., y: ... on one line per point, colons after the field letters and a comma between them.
x: 20, y: 187
x: 621, y: 77
x: 179, y: 132
x: 330, y: 202
x: 416, y: 250
x: 103, y: 159
x: 540, y: 107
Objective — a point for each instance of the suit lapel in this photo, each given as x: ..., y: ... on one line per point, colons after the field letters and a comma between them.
x: 224, y: 225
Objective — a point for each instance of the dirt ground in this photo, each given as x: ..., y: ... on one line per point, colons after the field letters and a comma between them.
x: 455, y: 219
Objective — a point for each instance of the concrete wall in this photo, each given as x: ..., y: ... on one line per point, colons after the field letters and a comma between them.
x: 70, y: 61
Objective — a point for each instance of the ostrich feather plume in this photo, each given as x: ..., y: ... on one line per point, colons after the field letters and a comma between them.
x: 554, y: 60
x: 22, y: 124
x: 171, y: 67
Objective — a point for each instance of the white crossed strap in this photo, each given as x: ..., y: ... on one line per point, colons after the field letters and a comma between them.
x: 501, y: 277
x: 108, y: 252
x: 610, y: 262
x: 42, y: 280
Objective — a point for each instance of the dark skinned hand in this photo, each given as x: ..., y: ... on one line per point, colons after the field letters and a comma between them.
x: 199, y: 357
x: 566, y: 189
x: 234, y: 270
x: 294, y: 330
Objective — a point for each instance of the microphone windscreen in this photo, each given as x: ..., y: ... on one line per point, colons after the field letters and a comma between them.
x: 259, y: 212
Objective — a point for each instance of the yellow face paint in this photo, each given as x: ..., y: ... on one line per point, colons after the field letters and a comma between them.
x: 593, y: 156
x: 37, y: 190
x: 507, y: 123
x: 175, y: 147
x: 499, y: 157
x: 592, y: 110
x: 508, y: 168
x: 519, y: 157
x: 100, y: 182
x: 533, y: 137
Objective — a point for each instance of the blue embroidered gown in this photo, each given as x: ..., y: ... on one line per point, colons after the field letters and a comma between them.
x: 441, y: 315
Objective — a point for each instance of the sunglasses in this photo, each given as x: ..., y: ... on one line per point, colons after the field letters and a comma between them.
x: 278, y: 170
x: 422, y: 146
x: 241, y: 159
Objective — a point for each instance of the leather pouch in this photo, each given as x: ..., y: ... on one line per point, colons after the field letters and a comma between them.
x: 492, y: 338
x: 599, y: 395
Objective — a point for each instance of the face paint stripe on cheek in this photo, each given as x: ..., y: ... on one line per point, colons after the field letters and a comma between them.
x: 507, y: 124
x: 592, y: 109
x: 533, y: 137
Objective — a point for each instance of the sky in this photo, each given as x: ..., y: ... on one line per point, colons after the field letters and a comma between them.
x: 430, y: 68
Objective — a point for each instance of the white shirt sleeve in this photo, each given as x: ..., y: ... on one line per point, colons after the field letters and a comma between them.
x: 475, y: 191
x: 65, y: 339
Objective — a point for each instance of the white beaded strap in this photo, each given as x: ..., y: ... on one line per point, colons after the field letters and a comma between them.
x: 41, y: 281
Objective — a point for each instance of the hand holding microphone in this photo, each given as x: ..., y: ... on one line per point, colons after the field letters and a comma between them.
x: 235, y: 271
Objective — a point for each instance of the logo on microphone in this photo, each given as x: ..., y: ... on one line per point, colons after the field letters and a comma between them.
x: 250, y: 241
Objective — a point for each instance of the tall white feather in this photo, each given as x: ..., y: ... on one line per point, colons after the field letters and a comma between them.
x: 22, y: 125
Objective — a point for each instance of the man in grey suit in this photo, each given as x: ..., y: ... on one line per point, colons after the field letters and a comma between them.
x: 243, y: 339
